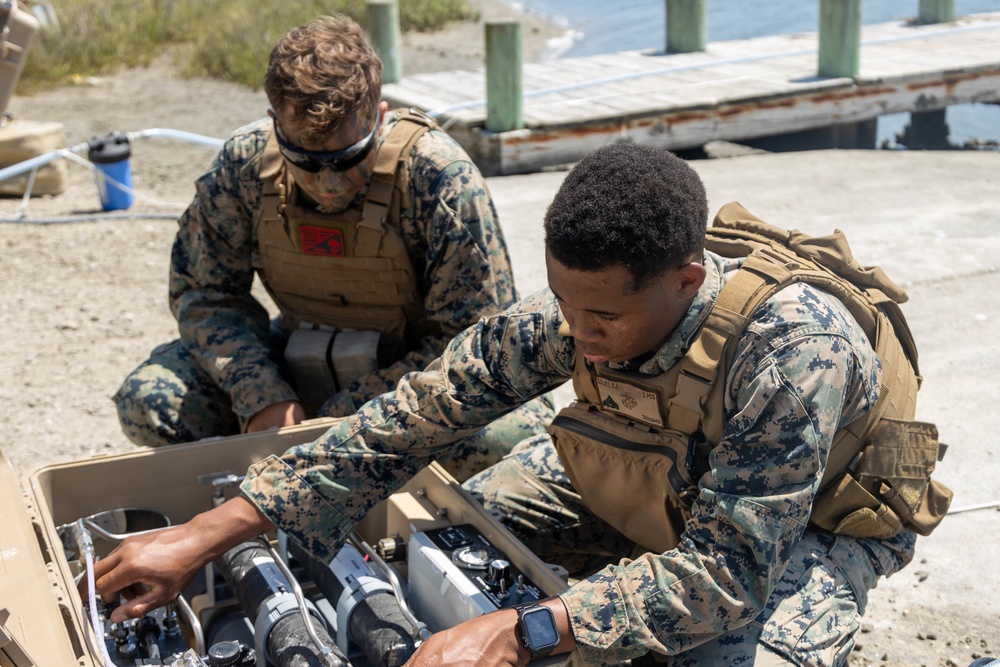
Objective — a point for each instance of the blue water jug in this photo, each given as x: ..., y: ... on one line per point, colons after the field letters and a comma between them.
x: 110, y: 155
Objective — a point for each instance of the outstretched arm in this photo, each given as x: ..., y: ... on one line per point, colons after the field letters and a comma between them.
x: 317, y: 492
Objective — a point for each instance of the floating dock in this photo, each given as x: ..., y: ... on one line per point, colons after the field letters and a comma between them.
x: 733, y: 91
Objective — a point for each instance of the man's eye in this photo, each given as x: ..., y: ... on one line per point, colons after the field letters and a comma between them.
x: 606, y: 317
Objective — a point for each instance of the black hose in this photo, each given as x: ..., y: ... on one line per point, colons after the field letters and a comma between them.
x: 377, y: 624
x: 253, y: 581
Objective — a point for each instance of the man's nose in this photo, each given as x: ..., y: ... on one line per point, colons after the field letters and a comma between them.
x: 328, y: 176
x: 332, y: 182
x: 584, y: 327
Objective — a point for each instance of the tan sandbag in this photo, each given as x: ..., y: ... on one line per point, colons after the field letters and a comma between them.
x: 22, y: 140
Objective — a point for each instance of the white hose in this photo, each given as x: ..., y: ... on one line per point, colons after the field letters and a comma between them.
x: 971, y: 508
x: 181, y: 135
x: 71, y: 153
x: 87, y: 548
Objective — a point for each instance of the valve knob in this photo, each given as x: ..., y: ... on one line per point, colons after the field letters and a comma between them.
x: 498, y: 572
x: 224, y: 654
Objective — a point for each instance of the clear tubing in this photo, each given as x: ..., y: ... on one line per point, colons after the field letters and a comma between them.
x: 86, y: 545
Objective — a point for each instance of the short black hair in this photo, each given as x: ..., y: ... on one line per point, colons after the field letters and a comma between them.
x: 628, y: 205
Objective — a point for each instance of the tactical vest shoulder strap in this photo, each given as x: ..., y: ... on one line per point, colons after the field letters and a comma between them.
x: 390, y: 174
x: 775, y: 259
x: 272, y: 169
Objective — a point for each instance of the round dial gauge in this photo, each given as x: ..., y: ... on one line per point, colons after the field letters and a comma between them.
x: 473, y: 557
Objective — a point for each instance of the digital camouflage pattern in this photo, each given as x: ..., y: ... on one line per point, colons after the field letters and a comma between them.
x: 226, y: 366
x: 803, y: 368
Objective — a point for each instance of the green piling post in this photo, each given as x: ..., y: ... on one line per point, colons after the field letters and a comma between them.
x: 936, y: 11
x: 383, y: 30
x: 503, y: 76
x: 687, y: 25
x: 839, y: 37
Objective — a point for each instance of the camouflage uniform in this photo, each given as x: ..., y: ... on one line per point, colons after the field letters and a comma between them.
x: 749, y: 582
x: 227, y: 365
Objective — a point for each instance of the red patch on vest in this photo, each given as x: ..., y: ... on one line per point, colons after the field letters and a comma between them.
x: 321, y: 241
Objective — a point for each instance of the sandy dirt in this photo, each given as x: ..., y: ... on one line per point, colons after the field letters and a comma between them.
x: 82, y: 303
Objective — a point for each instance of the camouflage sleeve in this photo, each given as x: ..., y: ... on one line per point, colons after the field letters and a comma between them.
x: 318, y: 491
x: 211, y: 274
x: 803, y: 369
x: 467, y: 272
x: 456, y: 244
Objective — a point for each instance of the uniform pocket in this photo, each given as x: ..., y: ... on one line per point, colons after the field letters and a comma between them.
x: 813, y: 613
x: 608, y: 460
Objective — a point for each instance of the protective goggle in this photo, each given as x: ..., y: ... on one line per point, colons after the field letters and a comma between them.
x: 316, y: 161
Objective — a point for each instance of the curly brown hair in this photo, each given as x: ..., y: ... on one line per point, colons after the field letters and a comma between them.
x: 324, y: 72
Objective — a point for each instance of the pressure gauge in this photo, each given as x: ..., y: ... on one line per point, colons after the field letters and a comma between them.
x: 474, y: 557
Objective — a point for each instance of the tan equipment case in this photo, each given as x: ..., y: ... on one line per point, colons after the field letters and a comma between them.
x: 42, y: 621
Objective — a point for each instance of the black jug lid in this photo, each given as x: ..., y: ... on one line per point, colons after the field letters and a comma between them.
x: 114, y: 147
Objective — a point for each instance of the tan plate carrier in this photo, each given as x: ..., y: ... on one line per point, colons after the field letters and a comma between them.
x: 351, y: 269
x: 650, y: 435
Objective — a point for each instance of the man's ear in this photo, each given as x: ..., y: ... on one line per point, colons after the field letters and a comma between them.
x: 692, y: 276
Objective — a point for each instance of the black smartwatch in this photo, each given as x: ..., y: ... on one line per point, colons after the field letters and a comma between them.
x: 537, y: 625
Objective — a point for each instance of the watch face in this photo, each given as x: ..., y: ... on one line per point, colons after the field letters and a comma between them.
x: 539, y: 627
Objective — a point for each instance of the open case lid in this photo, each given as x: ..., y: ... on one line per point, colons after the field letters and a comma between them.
x: 38, y: 624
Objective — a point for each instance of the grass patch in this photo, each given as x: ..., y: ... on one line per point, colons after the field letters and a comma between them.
x: 225, y: 39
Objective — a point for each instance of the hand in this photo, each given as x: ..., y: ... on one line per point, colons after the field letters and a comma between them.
x: 488, y: 640
x: 151, y: 570
x: 285, y: 413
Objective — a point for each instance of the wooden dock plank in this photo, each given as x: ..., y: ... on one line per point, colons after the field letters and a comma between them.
x: 733, y: 90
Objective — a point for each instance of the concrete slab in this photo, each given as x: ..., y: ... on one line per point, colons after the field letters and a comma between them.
x: 920, y: 215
